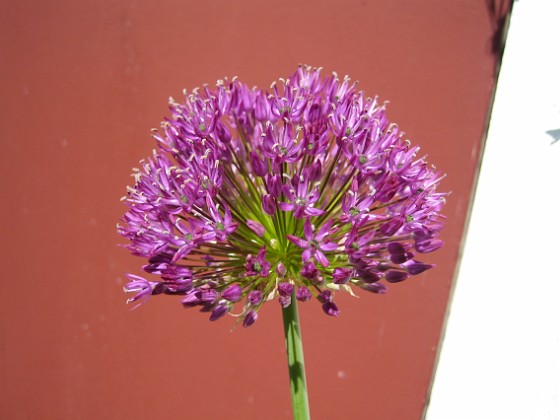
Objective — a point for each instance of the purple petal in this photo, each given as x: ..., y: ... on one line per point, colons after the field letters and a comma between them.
x: 324, y: 230
x: 312, y: 211
x: 297, y: 241
x: 394, y: 276
x: 181, y: 252
x: 306, y: 255
x: 256, y: 227
x: 320, y: 257
x: 285, y: 206
x: 308, y: 230
x: 329, y: 246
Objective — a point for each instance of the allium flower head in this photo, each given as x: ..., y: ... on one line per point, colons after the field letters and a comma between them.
x: 299, y: 191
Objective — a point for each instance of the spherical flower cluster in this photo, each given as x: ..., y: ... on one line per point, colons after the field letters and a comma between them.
x: 294, y: 193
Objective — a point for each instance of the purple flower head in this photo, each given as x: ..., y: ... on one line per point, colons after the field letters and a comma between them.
x: 292, y: 192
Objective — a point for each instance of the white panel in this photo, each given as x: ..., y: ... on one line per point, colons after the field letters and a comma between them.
x: 501, y: 353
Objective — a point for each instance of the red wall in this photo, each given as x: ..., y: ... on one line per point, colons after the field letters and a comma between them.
x: 82, y: 83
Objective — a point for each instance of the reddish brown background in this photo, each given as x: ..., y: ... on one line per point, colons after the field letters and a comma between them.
x: 82, y: 83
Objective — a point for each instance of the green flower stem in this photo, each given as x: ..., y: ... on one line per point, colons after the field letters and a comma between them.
x: 296, y: 365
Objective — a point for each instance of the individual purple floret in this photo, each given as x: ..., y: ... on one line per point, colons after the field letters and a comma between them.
x: 293, y: 193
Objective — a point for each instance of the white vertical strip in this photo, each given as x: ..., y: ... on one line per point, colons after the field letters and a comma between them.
x: 501, y: 352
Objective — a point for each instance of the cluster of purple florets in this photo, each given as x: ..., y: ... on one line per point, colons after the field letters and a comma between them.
x: 292, y: 193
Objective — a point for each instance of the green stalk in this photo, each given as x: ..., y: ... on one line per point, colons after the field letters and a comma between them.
x: 296, y: 365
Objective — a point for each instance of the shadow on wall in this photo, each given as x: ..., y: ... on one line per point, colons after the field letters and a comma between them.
x: 498, y: 13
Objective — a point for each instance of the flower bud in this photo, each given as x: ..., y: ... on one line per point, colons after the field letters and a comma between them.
x: 250, y: 318
x: 208, y: 295
x: 223, y: 133
x: 392, y: 226
x: 192, y: 298
x: 255, y: 297
x: 218, y: 312
x: 330, y: 309
x: 285, y: 301
x: 274, y: 185
x: 428, y: 246
x: 309, y: 271
x: 393, y: 276
x: 258, y: 164
x: 325, y: 296
x: 303, y: 294
x: 342, y: 275
x: 256, y: 227
x: 268, y: 204
x: 281, y: 270
x: 417, y: 268
x: 285, y: 289
x: 232, y: 293
x: 375, y: 287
